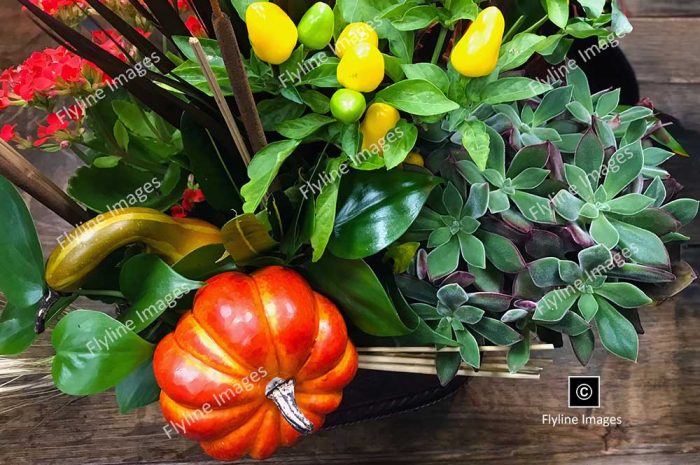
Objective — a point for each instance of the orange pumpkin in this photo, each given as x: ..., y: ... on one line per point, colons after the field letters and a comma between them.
x: 259, y: 361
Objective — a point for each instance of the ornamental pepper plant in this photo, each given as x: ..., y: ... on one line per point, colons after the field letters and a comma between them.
x: 414, y: 173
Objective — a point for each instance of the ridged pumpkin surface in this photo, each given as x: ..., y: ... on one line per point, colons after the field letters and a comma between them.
x: 270, y: 323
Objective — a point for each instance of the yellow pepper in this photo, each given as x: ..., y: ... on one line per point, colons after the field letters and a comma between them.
x: 379, y: 120
x: 271, y: 32
x: 476, y: 53
x: 361, y: 68
x: 89, y: 244
x: 353, y: 34
x: 414, y: 158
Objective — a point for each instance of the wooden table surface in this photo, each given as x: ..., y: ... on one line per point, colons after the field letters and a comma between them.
x: 491, y: 421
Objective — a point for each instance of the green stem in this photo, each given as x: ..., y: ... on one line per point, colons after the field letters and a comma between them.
x: 513, y: 29
x: 440, y: 44
x: 537, y: 25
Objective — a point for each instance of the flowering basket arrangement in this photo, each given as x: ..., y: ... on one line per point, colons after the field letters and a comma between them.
x: 275, y: 194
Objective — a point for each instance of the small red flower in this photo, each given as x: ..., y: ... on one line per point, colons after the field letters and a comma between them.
x: 178, y: 212
x: 7, y: 133
x: 195, y: 27
x: 55, y: 122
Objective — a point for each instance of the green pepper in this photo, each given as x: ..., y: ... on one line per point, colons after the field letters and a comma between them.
x: 347, y: 106
x: 316, y: 26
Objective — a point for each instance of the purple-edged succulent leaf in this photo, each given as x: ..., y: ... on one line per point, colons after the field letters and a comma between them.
x: 685, y: 275
x: 544, y: 244
x: 502, y: 253
x: 579, y: 236
x: 462, y: 278
x: 554, y: 162
x: 491, y: 301
x: 525, y: 304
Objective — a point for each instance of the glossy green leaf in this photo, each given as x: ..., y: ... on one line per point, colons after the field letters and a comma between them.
x: 303, y: 127
x: 263, y: 170
x: 138, y: 389
x: 21, y: 259
x: 519, y: 50
x: 511, y: 89
x: 204, y: 263
x: 396, y: 151
x: 375, y: 208
x: 152, y: 287
x: 428, y: 72
x: 324, y: 213
x: 94, y: 352
x: 475, y: 139
x: 558, y: 12
x: 418, y: 97
x: 354, y: 286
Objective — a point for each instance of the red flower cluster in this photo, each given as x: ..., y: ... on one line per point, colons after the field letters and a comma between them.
x: 192, y: 195
x: 53, y: 72
x: 71, y: 12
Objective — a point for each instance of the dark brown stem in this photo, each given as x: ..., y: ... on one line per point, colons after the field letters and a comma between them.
x: 28, y: 178
x: 235, y: 68
x: 48, y: 301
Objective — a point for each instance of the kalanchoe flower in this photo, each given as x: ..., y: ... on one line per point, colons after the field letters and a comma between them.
x: 48, y: 74
x: 7, y: 132
x: 70, y: 12
x: 60, y: 129
x: 191, y: 196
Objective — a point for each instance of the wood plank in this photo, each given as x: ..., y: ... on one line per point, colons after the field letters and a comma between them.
x: 660, y: 50
x: 637, y: 8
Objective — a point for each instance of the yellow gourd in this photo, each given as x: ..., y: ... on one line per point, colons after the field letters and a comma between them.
x: 83, y: 249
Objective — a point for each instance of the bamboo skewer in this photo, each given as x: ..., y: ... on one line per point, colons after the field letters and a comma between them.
x: 432, y: 371
x: 235, y: 68
x: 420, y: 360
x: 432, y: 350
x: 25, y: 176
x: 220, y: 99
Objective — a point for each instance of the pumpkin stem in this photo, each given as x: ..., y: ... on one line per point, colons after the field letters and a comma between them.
x: 281, y: 392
